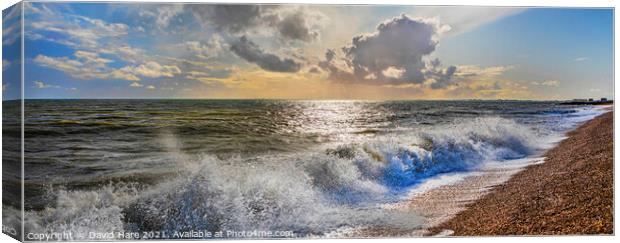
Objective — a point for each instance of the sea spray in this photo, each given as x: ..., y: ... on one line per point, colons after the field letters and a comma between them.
x: 309, y: 193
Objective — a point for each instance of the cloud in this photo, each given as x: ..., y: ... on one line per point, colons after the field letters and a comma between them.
x: 92, y: 58
x: 486, y: 72
x: 124, y: 52
x: 90, y: 65
x: 93, y: 38
x: 441, y: 78
x: 291, y: 23
x: 166, y: 13
x: 11, y: 24
x: 212, y: 48
x: 104, y: 28
x: 472, y: 81
x: 153, y: 69
x: 494, y: 86
x: 548, y: 83
x: 80, y: 31
x: 210, y: 74
x: 136, y: 85
x: 397, y: 53
x: 232, y: 18
x: 163, y: 14
x: 300, y: 24
x: 5, y: 64
x: 151, y: 87
x: 294, y: 27
x: 580, y: 59
x: 86, y: 65
x: 42, y: 85
x: 251, y: 52
x: 10, y: 33
x: 315, y: 70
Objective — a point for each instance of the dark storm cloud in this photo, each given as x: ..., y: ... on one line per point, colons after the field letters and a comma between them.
x: 232, y: 21
x: 233, y: 18
x: 394, y: 54
x: 295, y: 27
x: 442, y: 78
x: 291, y: 24
x: 336, y: 73
x: 251, y: 52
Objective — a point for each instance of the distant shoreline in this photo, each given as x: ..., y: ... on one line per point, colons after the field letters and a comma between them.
x: 571, y: 193
x: 598, y: 102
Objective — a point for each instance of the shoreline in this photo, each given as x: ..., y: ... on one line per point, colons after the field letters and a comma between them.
x: 570, y: 193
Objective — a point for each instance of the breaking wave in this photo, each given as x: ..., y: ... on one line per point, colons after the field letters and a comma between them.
x: 310, y: 193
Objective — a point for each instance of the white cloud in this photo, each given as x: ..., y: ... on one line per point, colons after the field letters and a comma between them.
x: 81, y: 31
x: 136, y: 85
x: 484, y: 82
x: 163, y: 14
x: 91, y: 58
x: 10, y: 34
x: 397, y: 53
x: 151, y: 87
x: 42, y: 85
x: 5, y: 64
x: 212, y: 48
x: 105, y: 28
x: 86, y: 65
x: 125, y: 52
x: 11, y: 24
x: 210, y: 75
x: 548, y: 83
x: 580, y: 59
x: 392, y: 72
x: 166, y: 14
x: 90, y: 65
x: 473, y: 70
x: 153, y: 69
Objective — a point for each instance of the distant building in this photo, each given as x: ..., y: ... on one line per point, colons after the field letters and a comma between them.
x: 603, y: 99
x: 590, y: 99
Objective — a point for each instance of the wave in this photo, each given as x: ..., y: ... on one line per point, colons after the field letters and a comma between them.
x: 310, y: 193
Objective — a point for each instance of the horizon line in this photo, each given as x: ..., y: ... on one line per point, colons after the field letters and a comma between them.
x: 289, y: 99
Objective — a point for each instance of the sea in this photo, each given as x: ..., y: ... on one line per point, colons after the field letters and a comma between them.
x: 310, y: 168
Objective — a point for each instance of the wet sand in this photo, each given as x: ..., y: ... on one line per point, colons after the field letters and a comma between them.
x: 570, y: 193
x: 442, y: 203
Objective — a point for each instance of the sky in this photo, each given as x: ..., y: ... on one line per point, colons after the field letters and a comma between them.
x: 370, y: 52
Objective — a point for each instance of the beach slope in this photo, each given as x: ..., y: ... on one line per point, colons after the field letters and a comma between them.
x: 571, y: 193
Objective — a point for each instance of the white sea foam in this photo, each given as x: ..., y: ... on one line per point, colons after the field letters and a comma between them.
x: 310, y: 193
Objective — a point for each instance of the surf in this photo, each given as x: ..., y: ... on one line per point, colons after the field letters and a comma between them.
x: 312, y: 193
